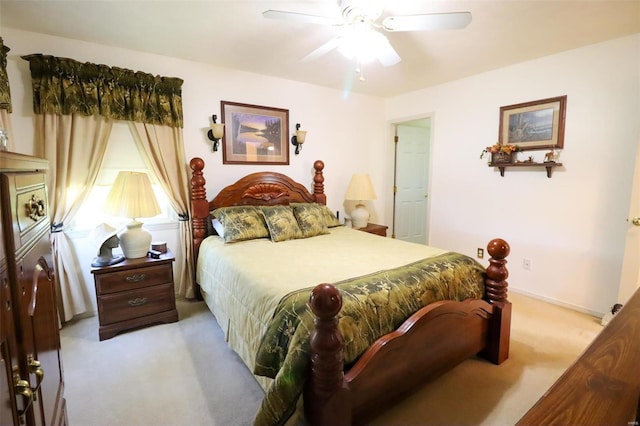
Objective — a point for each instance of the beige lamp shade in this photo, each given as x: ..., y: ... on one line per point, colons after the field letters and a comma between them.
x: 132, y: 196
x: 217, y: 129
x: 360, y: 189
x: 301, y: 135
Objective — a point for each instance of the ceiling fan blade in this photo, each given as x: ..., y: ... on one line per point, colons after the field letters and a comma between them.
x: 298, y: 17
x: 322, y: 50
x: 427, y: 22
x: 387, y: 55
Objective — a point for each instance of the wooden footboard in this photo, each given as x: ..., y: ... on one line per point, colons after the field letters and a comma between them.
x: 431, y: 342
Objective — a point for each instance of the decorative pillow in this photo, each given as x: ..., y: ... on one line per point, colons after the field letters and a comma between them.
x: 281, y: 222
x: 241, y: 223
x: 330, y: 219
x: 310, y: 219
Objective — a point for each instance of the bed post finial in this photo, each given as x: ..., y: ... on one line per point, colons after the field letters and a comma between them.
x: 497, y: 273
x: 318, y: 183
x: 326, y: 398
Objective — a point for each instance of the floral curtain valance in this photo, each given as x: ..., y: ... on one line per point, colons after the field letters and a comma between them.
x: 5, y: 93
x: 65, y: 86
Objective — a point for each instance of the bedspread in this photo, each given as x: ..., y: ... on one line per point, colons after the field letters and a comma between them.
x: 373, y: 305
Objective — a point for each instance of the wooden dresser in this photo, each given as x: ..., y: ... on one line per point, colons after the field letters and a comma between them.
x: 31, y: 379
x: 135, y: 293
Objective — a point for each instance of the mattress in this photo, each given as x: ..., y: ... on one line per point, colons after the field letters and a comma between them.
x: 243, y: 282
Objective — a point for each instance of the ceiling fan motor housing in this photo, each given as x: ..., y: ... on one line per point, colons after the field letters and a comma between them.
x: 361, y: 11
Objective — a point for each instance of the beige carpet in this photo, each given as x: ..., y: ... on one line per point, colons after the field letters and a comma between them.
x: 184, y: 374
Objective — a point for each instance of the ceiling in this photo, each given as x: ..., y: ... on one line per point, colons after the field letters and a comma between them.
x: 233, y: 34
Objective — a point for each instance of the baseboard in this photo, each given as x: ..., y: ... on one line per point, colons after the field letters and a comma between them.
x: 557, y: 302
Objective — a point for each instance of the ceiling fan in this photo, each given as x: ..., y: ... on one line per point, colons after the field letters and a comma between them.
x: 361, y: 38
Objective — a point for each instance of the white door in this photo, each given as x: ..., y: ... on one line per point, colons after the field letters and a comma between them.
x: 630, y: 276
x: 411, y: 198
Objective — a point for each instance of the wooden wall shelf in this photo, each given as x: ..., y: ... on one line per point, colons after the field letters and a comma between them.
x: 548, y: 166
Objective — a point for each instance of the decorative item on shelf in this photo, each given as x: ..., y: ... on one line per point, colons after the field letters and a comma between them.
x: 500, y: 154
x: 216, y: 132
x: 298, y: 139
x: 132, y: 196
x: 105, y: 239
x: 550, y: 157
x: 360, y: 189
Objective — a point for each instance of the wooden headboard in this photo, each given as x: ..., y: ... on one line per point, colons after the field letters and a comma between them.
x: 261, y: 188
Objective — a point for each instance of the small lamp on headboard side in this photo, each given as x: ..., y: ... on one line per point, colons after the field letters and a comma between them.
x: 360, y: 189
x: 298, y: 139
x: 216, y: 132
x: 132, y: 196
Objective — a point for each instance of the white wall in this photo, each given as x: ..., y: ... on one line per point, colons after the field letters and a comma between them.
x: 571, y: 226
x: 344, y: 132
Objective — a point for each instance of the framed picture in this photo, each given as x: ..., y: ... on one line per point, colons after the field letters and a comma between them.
x: 254, y: 134
x: 534, y: 125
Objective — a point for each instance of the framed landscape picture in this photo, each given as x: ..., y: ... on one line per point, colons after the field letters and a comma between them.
x: 254, y: 134
x: 534, y: 125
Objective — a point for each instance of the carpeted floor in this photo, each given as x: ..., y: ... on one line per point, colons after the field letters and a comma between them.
x: 184, y: 374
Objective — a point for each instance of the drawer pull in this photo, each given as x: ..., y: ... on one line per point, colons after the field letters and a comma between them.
x: 136, y: 278
x: 138, y: 302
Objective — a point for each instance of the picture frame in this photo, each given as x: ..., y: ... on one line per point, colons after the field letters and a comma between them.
x: 534, y: 125
x: 254, y: 134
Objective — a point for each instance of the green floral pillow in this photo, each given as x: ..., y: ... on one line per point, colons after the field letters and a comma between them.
x: 330, y: 219
x: 241, y: 223
x: 282, y: 223
x: 310, y: 219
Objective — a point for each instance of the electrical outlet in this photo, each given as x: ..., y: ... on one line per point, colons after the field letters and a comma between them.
x: 480, y: 253
x: 526, y: 264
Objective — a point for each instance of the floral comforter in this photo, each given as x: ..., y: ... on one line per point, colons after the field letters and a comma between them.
x: 373, y: 305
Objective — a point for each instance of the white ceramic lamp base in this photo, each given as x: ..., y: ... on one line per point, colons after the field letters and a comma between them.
x: 135, y: 241
x: 359, y: 216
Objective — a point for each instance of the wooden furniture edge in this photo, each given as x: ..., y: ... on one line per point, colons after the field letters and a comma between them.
x: 603, y: 385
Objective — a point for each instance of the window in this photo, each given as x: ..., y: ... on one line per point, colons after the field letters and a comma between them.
x: 121, y: 154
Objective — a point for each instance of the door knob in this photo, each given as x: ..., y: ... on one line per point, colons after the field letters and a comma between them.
x: 636, y: 221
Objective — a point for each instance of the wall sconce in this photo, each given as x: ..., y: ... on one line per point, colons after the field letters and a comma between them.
x: 298, y: 139
x: 216, y: 132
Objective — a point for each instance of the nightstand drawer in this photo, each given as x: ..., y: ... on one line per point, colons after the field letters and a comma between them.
x: 134, y: 304
x: 133, y: 279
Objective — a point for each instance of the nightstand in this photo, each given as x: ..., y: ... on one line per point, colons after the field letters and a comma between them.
x: 373, y: 228
x: 135, y: 293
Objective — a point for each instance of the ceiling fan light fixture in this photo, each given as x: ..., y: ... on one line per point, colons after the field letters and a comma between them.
x: 362, y: 44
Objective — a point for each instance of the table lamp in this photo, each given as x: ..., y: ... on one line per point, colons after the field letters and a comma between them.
x: 132, y: 196
x: 360, y: 189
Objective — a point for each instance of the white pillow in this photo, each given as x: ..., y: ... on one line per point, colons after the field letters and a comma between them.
x: 218, y: 227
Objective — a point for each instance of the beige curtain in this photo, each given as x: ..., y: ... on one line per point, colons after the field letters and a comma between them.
x: 5, y: 124
x: 164, y: 153
x: 5, y: 97
x: 75, y: 146
x: 75, y: 104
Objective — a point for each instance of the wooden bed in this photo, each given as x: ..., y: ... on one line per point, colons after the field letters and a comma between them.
x: 430, y: 342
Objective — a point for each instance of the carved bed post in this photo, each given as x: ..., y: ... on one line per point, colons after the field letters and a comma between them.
x: 318, y: 183
x: 199, y: 208
x: 496, y: 293
x: 326, y: 397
